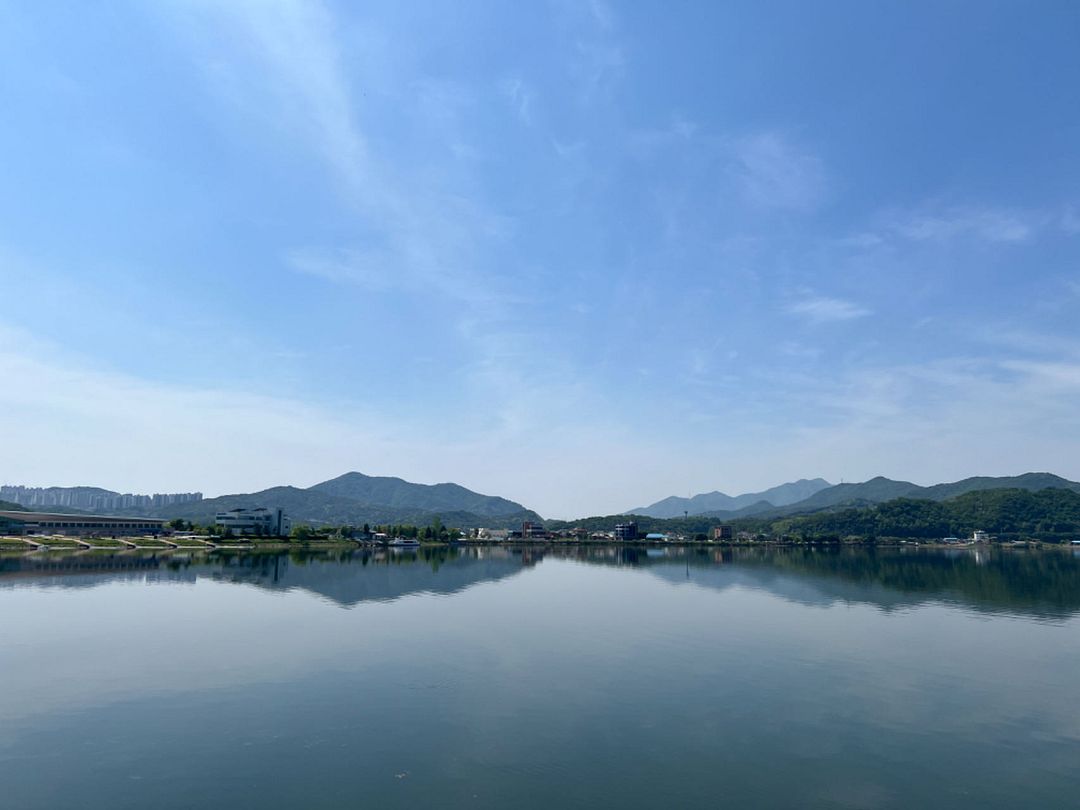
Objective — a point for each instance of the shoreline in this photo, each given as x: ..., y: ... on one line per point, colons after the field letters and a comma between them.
x: 20, y: 545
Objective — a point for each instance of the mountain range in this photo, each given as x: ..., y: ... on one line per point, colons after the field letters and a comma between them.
x: 717, y: 501
x: 354, y: 499
x: 781, y: 501
x: 880, y: 490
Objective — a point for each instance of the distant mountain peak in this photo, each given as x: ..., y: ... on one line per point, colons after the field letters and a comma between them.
x: 880, y: 489
x: 716, y: 501
x: 397, y: 492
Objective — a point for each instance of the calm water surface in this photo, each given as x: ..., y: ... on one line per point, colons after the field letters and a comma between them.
x: 494, y: 679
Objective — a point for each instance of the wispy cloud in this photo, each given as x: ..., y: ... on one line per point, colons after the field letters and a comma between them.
x: 135, y: 423
x: 984, y: 223
x: 775, y: 173
x: 824, y: 309
x: 648, y: 143
x: 520, y: 97
x: 1057, y: 374
x: 596, y: 57
x: 1030, y: 343
x: 369, y: 269
x: 169, y: 436
x: 423, y: 232
x: 977, y: 415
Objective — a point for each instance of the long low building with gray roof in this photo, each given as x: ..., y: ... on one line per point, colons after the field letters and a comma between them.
x: 21, y: 523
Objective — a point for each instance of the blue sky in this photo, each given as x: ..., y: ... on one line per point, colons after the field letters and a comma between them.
x: 582, y: 255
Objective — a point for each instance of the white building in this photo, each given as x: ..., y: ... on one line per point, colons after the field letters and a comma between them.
x: 261, y: 522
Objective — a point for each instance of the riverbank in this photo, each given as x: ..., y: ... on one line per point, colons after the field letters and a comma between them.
x: 187, y: 544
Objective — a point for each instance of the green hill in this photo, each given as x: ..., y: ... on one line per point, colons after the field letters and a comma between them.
x: 396, y: 492
x: 1029, y: 481
x: 11, y: 507
x: 1036, y: 506
x: 1050, y: 514
x: 317, y: 508
x: 880, y: 490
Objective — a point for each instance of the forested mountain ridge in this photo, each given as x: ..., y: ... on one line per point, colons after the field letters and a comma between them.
x: 316, y: 508
x: 707, y: 502
x: 1051, y: 514
x: 881, y: 489
x: 397, y: 492
x: 820, y: 495
x: 1047, y: 514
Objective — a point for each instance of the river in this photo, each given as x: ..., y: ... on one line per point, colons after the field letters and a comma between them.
x: 543, y: 678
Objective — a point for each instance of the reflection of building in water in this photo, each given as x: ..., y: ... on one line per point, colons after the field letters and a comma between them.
x: 531, y: 556
x: 20, y: 523
x: 91, y: 569
x: 255, y: 568
x: 482, y: 553
x: 77, y: 563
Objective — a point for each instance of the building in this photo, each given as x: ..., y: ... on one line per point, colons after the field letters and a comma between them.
x: 261, y: 522
x: 626, y: 531
x: 91, y: 499
x: 20, y: 523
x: 723, y: 533
x: 980, y: 537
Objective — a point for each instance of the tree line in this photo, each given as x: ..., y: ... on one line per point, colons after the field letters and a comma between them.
x: 1050, y: 515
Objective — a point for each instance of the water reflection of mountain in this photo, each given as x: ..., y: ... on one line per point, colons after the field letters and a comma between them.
x: 346, y: 578
x: 1043, y: 584
x: 1036, y: 583
x: 362, y: 577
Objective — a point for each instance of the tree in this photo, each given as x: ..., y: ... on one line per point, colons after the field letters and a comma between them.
x: 302, y: 534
